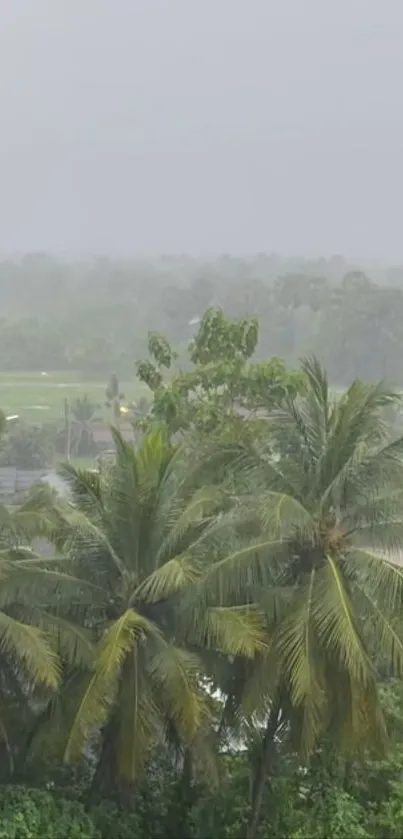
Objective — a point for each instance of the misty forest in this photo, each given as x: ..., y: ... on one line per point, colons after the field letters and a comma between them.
x: 201, y: 577
x: 93, y: 316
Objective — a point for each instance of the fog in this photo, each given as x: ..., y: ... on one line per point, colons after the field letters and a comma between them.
x: 133, y: 126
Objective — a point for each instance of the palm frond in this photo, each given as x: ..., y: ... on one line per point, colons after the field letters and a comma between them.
x: 153, y: 458
x: 139, y: 722
x: 298, y: 647
x: 356, y: 419
x: 183, y: 515
x: 25, y: 583
x: 358, y: 721
x: 336, y: 624
x: 176, y: 674
x: 72, y: 642
x: 258, y: 469
x: 231, y: 630
x: 173, y: 576
x: 316, y: 384
x: 119, y: 641
x: 125, y: 503
x: 304, y: 421
x: 260, y: 685
x: 30, y: 646
x: 384, y: 631
x: 380, y: 576
x: 284, y: 516
x: 85, y: 485
x: 82, y: 531
x: 235, y: 577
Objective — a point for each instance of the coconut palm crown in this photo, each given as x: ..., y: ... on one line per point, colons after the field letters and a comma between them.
x: 323, y: 492
x: 135, y: 530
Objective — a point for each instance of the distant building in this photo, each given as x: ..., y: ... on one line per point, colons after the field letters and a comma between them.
x: 14, y: 482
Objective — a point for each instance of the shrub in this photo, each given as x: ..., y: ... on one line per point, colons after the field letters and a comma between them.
x: 30, y: 814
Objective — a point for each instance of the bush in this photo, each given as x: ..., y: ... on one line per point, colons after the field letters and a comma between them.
x: 33, y: 814
x: 113, y: 823
x: 27, y: 447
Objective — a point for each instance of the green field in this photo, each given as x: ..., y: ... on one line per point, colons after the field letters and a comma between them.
x: 37, y: 398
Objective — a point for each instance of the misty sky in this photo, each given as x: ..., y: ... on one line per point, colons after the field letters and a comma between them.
x: 202, y: 126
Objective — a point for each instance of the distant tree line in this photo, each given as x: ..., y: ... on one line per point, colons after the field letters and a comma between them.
x: 92, y: 316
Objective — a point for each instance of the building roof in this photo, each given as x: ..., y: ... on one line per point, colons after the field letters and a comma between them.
x: 14, y: 481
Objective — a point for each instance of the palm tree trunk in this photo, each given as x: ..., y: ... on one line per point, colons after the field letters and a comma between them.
x: 10, y: 770
x: 67, y: 424
x: 105, y: 776
x: 264, y: 765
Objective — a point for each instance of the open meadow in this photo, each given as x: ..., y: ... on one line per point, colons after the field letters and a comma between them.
x: 39, y: 398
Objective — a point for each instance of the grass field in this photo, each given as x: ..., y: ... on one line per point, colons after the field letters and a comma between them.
x: 37, y: 398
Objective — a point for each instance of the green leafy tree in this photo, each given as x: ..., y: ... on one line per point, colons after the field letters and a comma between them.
x: 222, y: 386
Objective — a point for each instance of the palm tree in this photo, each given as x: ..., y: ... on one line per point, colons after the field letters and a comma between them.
x: 114, y: 398
x: 35, y: 634
x: 319, y: 550
x: 136, y: 529
x: 140, y: 410
x: 83, y: 416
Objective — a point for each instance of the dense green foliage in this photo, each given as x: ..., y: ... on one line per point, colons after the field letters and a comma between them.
x: 222, y: 385
x: 360, y: 801
x: 215, y: 645
x: 30, y: 814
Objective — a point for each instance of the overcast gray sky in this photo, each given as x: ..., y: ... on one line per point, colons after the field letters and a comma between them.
x: 202, y: 126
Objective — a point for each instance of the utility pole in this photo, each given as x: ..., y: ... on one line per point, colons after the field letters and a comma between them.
x: 67, y: 427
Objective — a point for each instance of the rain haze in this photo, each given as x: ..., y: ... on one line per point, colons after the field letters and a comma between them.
x: 134, y: 126
x: 201, y: 418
